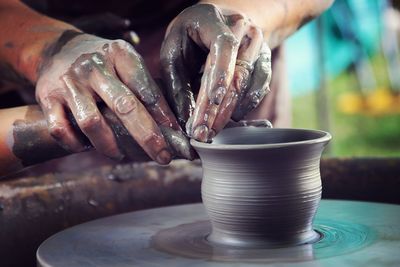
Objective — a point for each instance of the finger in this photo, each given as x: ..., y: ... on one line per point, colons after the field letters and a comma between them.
x: 217, y: 77
x: 210, y: 117
x: 90, y: 120
x: 210, y: 31
x: 60, y: 127
x: 247, y: 55
x: 121, y: 100
x: 199, y: 125
x: 221, y: 65
x: 207, y: 109
x: 176, y: 76
x: 130, y: 68
x: 259, y: 86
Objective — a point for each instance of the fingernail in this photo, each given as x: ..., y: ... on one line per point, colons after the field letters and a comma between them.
x: 164, y: 157
x: 200, y: 133
x: 219, y: 95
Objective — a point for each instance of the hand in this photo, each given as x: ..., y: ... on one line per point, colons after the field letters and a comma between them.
x: 237, y: 68
x: 87, y: 69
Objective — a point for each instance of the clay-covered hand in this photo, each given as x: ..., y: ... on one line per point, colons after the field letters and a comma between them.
x: 237, y: 67
x: 82, y: 70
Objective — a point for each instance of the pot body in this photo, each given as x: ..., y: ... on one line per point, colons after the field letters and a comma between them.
x: 261, y: 187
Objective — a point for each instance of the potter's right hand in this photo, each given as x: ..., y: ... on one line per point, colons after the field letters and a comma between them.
x: 80, y: 70
x: 236, y: 64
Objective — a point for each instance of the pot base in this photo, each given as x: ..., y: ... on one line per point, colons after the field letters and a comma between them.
x: 222, y: 239
x: 331, y: 238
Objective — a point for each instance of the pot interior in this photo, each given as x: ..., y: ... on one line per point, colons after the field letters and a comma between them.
x: 258, y: 136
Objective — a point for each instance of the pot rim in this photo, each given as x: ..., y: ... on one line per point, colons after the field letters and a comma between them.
x: 325, y: 137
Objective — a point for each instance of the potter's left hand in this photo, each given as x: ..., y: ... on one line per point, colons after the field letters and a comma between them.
x: 237, y: 67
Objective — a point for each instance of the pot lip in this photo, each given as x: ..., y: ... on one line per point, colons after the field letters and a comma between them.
x: 325, y: 137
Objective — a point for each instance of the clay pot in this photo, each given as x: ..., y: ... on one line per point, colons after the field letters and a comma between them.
x: 261, y: 187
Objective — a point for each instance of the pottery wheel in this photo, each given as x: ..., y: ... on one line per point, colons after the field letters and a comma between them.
x: 352, y: 234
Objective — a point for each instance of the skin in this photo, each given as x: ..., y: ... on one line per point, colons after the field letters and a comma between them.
x: 230, y: 41
x: 226, y: 42
x: 74, y: 71
x: 25, y: 139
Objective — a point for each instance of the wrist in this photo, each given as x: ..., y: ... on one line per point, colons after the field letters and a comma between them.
x: 35, y: 55
x: 53, y: 47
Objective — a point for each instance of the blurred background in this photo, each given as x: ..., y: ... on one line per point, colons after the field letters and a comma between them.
x: 344, y: 77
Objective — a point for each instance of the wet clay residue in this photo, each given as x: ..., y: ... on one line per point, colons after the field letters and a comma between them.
x: 56, y: 47
x: 32, y: 142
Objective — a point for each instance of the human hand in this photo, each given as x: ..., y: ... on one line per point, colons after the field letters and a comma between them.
x: 82, y: 70
x: 237, y: 68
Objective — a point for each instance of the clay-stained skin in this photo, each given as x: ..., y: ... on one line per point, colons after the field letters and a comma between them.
x: 31, y: 142
x: 55, y: 48
x: 81, y: 70
x: 237, y: 68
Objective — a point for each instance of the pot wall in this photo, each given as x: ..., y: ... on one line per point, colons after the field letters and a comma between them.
x: 259, y: 197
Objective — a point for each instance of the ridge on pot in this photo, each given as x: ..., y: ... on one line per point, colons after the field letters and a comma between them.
x: 261, y: 186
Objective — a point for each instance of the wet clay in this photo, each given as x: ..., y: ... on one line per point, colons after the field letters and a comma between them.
x: 261, y: 187
x: 32, y: 142
x: 55, y: 47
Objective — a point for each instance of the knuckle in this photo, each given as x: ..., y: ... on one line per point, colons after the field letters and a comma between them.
x: 86, y: 63
x: 256, y: 31
x: 241, y: 22
x: 43, y: 99
x: 229, y: 38
x: 58, y: 130
x: 82, y: 66
x: 97, y: 58
x: 152, y: 140
x: 121, y: 43
x: 148, y: 97
x: 90, y: 123
x: 125, y: 104
x: 243, y: 75
x: 125, y: 46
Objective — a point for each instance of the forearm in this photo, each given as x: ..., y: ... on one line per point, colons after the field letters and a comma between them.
x: 277, y: 18
x: 25, y: 36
